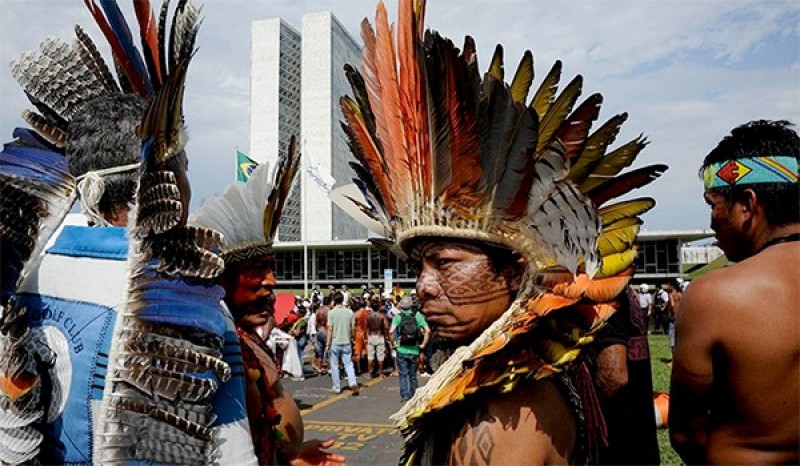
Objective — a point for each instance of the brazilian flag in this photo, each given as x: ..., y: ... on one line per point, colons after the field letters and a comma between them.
x: 244, y: 166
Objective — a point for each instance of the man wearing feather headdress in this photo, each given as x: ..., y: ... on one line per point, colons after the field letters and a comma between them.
x: 736, y: 364
x: 247, y: 215
x: 502, y: 207
x: 100, y: 359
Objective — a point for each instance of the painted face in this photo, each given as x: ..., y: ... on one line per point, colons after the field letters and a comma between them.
x: 459, y: 291
x: 250, y: 294
x: 727, y: 225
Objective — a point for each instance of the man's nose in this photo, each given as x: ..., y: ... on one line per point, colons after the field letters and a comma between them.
x: 428, y: 284
x: 268, y: 280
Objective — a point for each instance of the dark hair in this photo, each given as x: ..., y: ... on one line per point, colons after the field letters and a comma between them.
x: 102, y: 134
x: 780, y: 201
x: 338, y: 298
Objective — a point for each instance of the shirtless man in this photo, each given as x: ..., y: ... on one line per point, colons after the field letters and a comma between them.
x: 463, y: 287
x: 735, y: 395
x: 465, y: 184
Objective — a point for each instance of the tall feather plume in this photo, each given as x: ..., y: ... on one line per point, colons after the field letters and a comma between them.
x: 148, y: 32
x: 495, y: 115
x: 175, y: 36
x: 625, y: 183
x: 572, y: 134
x: 514, y: 186
x: 365, y: 149
x: 439, y: 124
x: 612, y: 163
x: 546, y: 93
x: 94, y: 61
x: 551, y: 121
x: 595, y: 148
x: 284, y: 176
x: 462, y: 192
x: 413, y: 105
x: 523, y: 78
x: 162, y: 37
x: 120, y: 40
x: 390, y: 128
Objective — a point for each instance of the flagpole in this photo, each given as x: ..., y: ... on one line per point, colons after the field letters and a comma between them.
x: 304, y: 226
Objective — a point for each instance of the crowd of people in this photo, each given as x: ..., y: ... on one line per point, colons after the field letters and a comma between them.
x: 523, y: 316
x: 377, y: 345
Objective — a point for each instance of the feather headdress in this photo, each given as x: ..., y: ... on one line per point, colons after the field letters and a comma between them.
x: 443, y: 151
x: 165, y: 363
x: 91, y: 112
x: 248, y: 214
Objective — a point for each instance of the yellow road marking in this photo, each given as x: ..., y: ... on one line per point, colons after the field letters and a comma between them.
x: 353, y: 424
x: 345, y: 393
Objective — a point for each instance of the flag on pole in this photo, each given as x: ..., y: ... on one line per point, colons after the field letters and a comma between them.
x: 321, y: 179
x: 244, y: 166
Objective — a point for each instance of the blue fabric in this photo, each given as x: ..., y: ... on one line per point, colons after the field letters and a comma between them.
x: 301, y: 341
x: 342, y: 353
x: 96, y: 242
x: 179, y: 302
x: 322, y: 341
x: 407, y: 367
x: 228, y: 403
x: 87, y: 328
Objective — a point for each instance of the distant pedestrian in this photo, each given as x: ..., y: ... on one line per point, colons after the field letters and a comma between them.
x: 675, y: 292
x: 412, y: 336
x: 340, y: 337
x: 646, y: 305
x: 321, y: 347
x: 377, y: 336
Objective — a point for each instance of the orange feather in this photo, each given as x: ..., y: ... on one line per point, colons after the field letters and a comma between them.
x: 366, y: 150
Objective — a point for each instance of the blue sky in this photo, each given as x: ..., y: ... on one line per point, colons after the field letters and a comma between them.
x: 685, y: 71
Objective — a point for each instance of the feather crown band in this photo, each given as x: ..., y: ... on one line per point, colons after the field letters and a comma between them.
x: 751, y: 170
x: 247, y: 214
x: 444, y: 151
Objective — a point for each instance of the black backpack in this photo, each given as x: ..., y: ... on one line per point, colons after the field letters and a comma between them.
x: 409, y: 330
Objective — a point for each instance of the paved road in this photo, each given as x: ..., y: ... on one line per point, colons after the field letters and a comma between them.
x: 360, y: 424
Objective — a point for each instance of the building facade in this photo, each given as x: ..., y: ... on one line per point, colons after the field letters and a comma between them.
x: 663, y: 256
x: 297, y: 79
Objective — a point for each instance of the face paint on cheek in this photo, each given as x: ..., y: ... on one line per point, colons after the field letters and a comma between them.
x: 472, y: 282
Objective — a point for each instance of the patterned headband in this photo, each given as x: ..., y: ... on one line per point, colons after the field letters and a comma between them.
x: 753, y: 170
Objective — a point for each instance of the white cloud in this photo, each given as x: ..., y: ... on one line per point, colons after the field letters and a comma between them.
x: 685, y: 71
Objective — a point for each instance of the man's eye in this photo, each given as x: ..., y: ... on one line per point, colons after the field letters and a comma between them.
x: 440, y: 263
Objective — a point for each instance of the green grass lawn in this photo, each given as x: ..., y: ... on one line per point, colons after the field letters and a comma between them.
x: 660, y: 354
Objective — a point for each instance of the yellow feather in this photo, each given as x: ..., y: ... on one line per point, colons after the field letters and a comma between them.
x: 522, y: 78
x: 617, y: 240
x: 595, y: 149
x: 546, y: 92
x: 616, y: 263
x: 613, y: 163
x: 623, y: 223
x: 555, y: 116
x: 496, y: 66
x: 632, y: 208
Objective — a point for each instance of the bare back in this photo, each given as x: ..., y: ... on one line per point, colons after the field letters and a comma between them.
x: 739, y: 339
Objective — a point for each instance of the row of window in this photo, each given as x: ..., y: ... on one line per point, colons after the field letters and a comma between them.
x: 368, y: 265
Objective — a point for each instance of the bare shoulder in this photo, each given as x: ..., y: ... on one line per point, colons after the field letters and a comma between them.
x: 534, y: 418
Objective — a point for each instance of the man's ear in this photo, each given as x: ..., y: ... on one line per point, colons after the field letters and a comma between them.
x: 748, y: 201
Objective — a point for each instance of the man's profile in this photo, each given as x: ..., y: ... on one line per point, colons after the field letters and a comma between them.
x: 736, y: 365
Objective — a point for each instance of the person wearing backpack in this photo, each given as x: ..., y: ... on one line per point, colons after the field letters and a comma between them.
x: 410, y: 333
